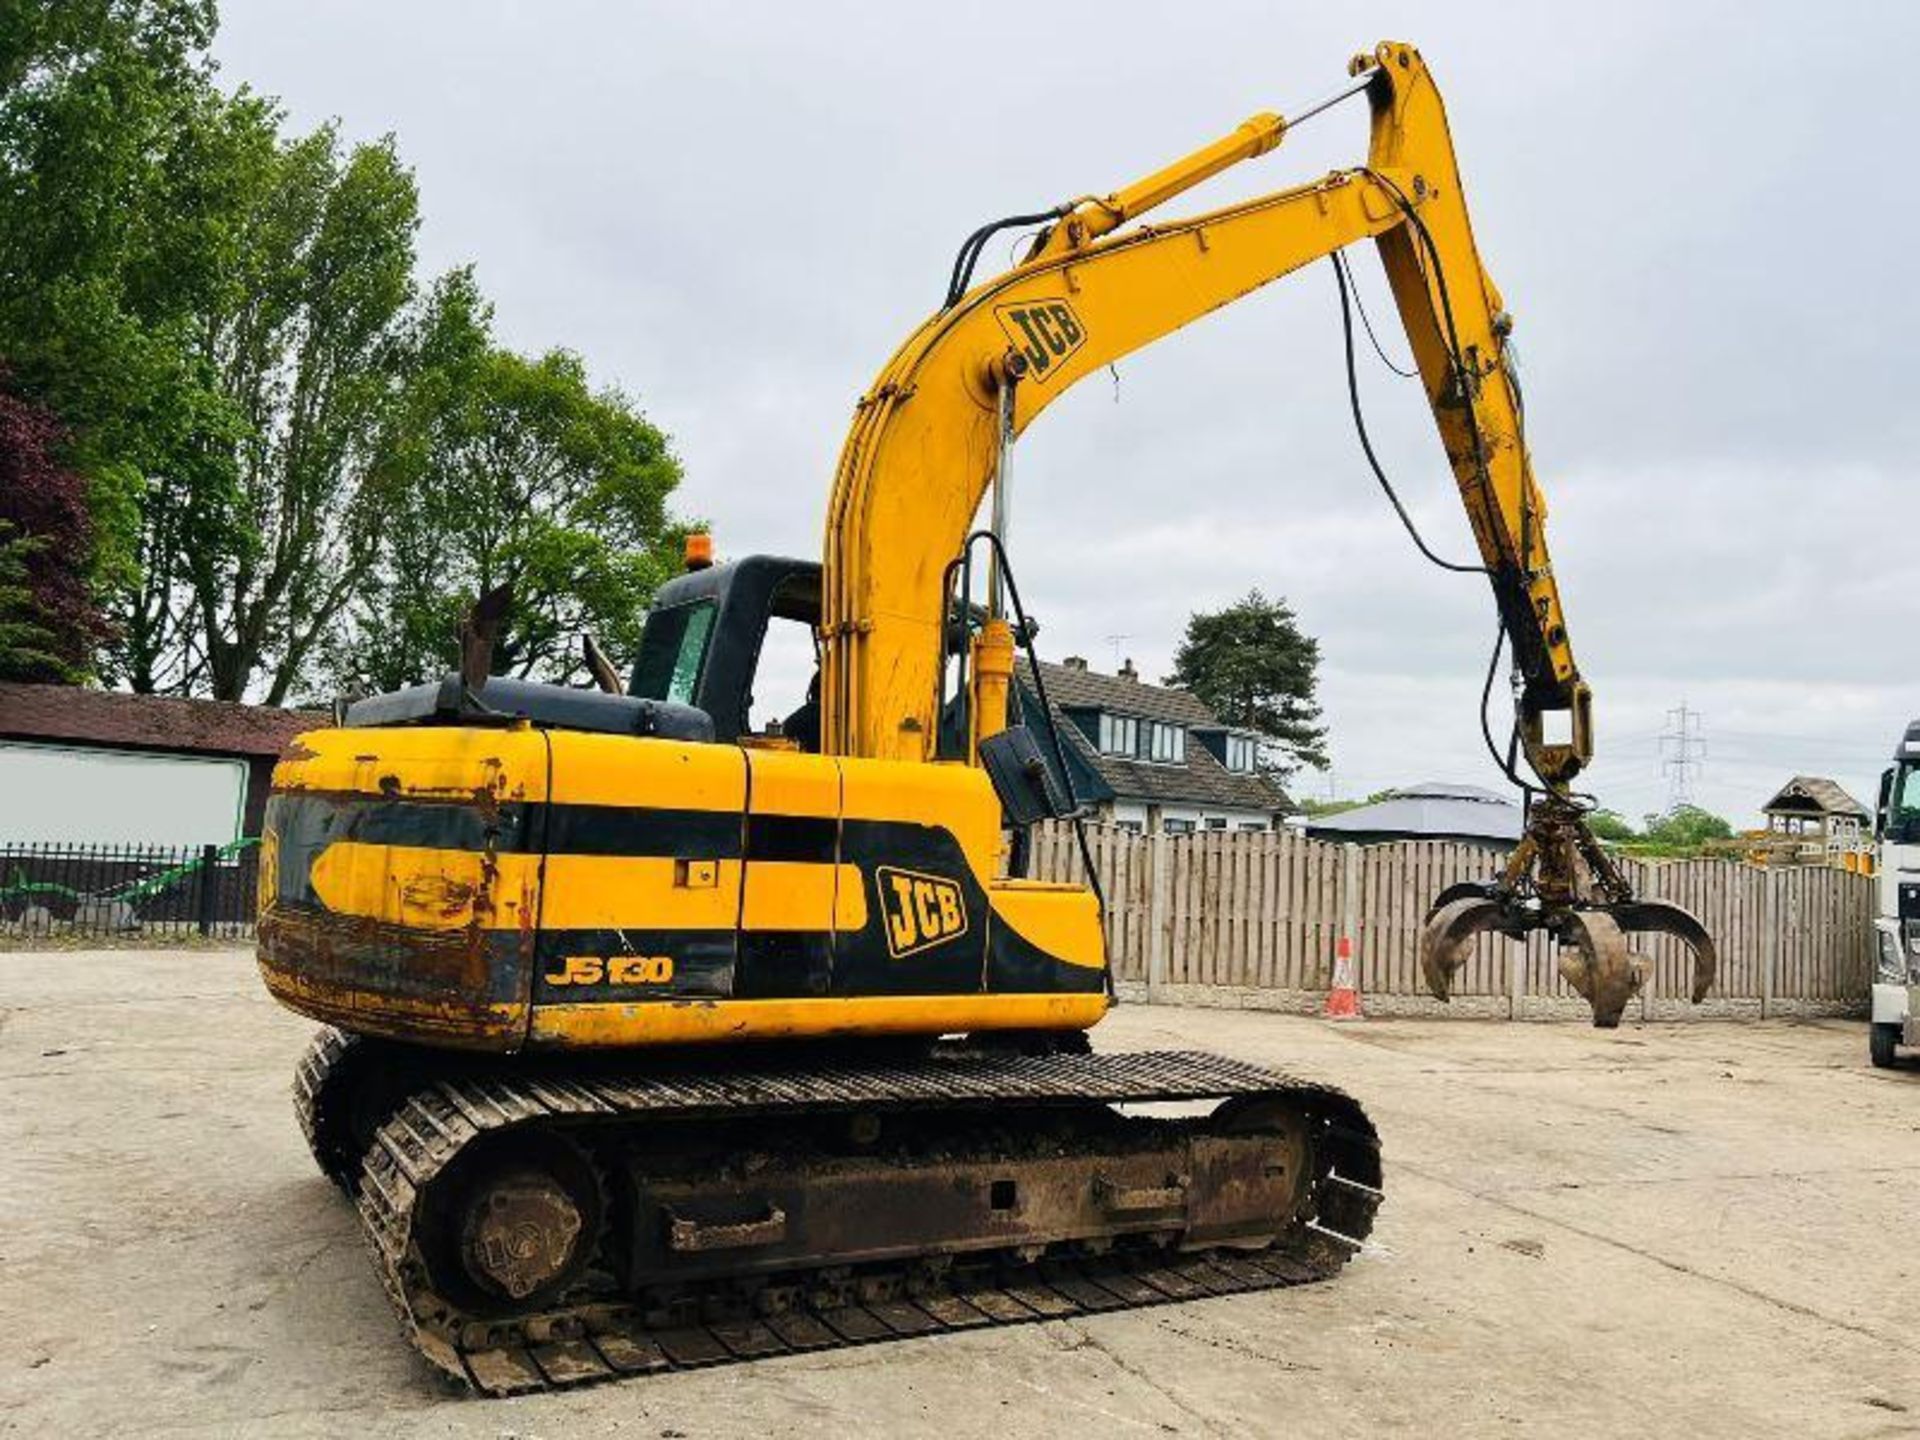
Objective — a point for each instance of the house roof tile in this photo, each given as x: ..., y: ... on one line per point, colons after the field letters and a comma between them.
x: 1072, y: 688
x: 1202, y: 780
x: 67, y: 714
x: 1814, y: 793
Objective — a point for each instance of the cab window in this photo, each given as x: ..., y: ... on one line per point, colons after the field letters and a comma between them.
x: 1903, y: 820
x: 674, y: 651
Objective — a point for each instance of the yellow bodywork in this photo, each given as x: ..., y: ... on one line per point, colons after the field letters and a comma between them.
x: 486, y: 939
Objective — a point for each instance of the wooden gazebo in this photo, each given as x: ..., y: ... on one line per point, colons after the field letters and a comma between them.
x: 1818, y: 822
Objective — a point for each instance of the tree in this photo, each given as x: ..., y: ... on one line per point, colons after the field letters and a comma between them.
x: 307, y: 342
x: 216, y: 311
x: 1612, y: 826
x: 25, y: 644
x: 225, y: 317
x: 1254, y: 668
x: 1686, y: 827
x: 1684, y: 830
x: 503, y: 468
x: 49, y: 623
x: 44, y: 33
x: 98, y: 259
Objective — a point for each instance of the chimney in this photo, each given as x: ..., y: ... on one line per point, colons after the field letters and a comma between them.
x: 1074, y: 662
x: 1127, y: 672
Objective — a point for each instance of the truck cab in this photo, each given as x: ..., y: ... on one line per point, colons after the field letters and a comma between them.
x: 1895, y: 1017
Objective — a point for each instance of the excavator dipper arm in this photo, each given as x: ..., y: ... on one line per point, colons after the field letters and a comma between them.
x: 1100, y: 283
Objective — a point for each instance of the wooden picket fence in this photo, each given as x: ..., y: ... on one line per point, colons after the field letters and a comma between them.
x: 1246, y: 918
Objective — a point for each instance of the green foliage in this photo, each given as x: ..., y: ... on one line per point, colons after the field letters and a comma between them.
x: 1315, y: 809
x: 1254, y: 668
x: 502, y: 468
x: 49, y: 621
x: 1682, y: 831
x: 276, y: 431
x: 1612, y: 826
x: 97, y: 252
x: 42, y: 35
x: 26, y: 641
x: 1686, y: 827
x: 307, y: 341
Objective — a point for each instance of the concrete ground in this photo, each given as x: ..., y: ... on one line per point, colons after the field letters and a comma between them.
x: 1687, y: 1229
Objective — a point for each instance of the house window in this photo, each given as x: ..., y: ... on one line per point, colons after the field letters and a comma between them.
x: 1242, y: 753
x: 1166, y: 744
x: 1216, y: 822
x: 1177, y: 827
x: 1129, y: 827
x: 1119, y: 734
x: 1253, y: 825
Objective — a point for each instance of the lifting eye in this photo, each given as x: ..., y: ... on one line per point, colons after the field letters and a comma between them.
x: 1001, y: 1194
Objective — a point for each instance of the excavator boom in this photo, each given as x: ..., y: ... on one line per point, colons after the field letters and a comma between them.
x: 924, y: 445
x: 1099, y: 283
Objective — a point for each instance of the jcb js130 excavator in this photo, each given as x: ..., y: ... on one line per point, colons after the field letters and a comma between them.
x: 654, y: 1042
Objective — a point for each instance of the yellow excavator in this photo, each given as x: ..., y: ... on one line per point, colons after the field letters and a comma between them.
x: 652, y: 1041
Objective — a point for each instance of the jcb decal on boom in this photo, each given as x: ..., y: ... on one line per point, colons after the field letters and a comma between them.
x: 1044, y: 331
x: 920, y: 911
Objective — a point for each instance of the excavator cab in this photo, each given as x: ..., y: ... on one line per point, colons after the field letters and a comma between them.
x: 706, y: 634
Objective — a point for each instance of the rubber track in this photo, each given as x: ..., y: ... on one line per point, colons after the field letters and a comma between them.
x: 603, y: 1339
x: 329, y: 1047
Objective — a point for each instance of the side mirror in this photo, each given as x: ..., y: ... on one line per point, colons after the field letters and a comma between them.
x: 1021, y: 779
x: 1885, y: 807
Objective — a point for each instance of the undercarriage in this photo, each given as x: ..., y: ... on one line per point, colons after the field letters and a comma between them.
x: 540, y: 1224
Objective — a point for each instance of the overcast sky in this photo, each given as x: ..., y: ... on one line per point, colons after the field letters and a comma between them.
x: 1699, y: 215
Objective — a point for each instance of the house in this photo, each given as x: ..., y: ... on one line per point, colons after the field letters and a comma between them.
x: 1152, y: 757
x: 1813, y: 808
x: 100, y: 767
x: 1431, y: 810
x: 1812, y: 820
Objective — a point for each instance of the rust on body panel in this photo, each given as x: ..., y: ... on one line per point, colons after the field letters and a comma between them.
x: 382, y: 909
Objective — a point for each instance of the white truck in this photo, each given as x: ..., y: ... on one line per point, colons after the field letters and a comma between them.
x: 1896, y: 922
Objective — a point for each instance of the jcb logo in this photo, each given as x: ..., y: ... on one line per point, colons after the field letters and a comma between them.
x: 1045, y: 331
x: 613, y: 970
x: 919, y: 910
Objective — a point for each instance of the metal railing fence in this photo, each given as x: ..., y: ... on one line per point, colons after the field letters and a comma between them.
x: 112, y: 890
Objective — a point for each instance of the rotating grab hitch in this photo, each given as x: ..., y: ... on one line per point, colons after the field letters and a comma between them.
x: 1559, y: 880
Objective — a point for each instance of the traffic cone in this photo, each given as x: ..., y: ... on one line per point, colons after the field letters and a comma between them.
x: 1343, y: 1000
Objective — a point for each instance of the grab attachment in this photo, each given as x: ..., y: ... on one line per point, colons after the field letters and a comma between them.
x: 1559, y: 880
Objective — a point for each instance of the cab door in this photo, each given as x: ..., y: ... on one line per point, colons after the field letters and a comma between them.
x: 640, y: 899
